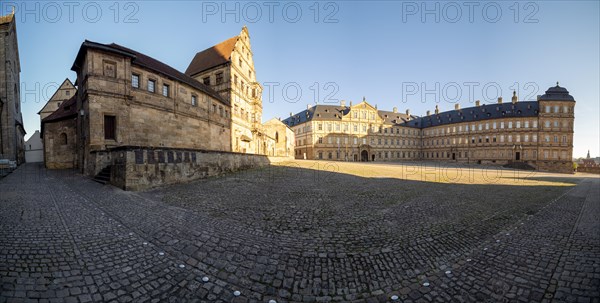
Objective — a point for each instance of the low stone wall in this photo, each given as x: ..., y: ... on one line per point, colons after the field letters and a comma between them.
x: 587, y: 169
x: 136, y: 168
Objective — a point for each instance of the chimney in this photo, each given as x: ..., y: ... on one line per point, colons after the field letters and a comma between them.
x: 343, y: 103
x: 456, y: 106
x: 437, y: 110
x: 499, y: 100
x: 291, y: 114
x: 307, y: 106
x: 408, y: 112
x: 375, y: 106
x: 428, y: 113
x: 477, y: 103
x: 350, y: 103
x: 538, y: 97
x: 395, y: 109
x: 514, y: 97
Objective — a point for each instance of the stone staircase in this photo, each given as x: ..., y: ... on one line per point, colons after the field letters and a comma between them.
x: 104, y: 175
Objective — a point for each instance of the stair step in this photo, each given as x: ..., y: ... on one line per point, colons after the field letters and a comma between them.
x: 103, y: 176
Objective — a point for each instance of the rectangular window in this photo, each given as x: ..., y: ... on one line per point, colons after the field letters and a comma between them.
x: 135, y: 80
x: 518, y: 124
x: 509, y: 124
x: 194, y: 100
x: 151, y: 86
x: 206, y: 80
x: 219, y: 78
x: 165, y: 90
x: 110, y: 125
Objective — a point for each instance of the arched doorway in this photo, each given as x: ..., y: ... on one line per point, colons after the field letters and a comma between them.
x: 364, y: 156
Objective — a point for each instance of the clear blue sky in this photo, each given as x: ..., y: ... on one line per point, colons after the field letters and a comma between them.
x: 350, y: 49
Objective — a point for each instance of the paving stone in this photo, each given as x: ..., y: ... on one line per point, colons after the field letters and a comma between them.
x: 295, y: 236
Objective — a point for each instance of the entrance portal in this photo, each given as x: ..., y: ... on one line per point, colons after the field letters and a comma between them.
x: 453, y: 156
x: 518, y: 156
x: 364, y: 156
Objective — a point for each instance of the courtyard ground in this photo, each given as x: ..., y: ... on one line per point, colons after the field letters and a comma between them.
x: 304, y: 231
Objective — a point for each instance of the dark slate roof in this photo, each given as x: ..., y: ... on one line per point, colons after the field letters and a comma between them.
x: 148, y: 62
x: 557, y: 93
x: 478, y: 113
x: 333, y: 112
x: 67, y: 109
x: 470, y: 114
x: 211, y: 57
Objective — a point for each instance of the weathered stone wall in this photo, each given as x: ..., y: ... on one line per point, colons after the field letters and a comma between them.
x: 57, y: 154
x: 11, y: 134
x: 565, y: 167
x: 591, y: 170
x: 144, y: 118
x: 142, y: 168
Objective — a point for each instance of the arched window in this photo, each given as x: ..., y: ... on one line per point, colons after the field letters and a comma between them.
x: 63, y: 139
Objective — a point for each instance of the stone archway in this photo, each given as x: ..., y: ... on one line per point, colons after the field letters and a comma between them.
x: 364, y: 156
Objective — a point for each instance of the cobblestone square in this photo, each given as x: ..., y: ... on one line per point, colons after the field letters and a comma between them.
x: 304, y: 231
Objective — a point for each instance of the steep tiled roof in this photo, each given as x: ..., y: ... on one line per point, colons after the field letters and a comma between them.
x: 334, y: 112
x: 67, y: 109
x: 477, y: 113
x: 150, y: 63
x: 211, y: 57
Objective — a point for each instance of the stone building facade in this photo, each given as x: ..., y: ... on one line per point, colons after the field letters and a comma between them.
x: 59, y: 136
x: 136, y: 122
x: 125, y: 98
x: 12, y: 131
x: 64, y: 92
x: 228, y: 68
x: 538, y: 133
x: 283, y: 137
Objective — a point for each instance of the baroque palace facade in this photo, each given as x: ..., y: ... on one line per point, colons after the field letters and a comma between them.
x: 124, y: 99
x: 538, y: 133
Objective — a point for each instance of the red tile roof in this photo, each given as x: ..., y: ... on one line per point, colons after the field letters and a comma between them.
x: 67, y: 109
x: 211, y: 57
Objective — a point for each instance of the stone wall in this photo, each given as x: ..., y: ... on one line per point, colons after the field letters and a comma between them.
x: 565, y: 167
x: 587, y: 169
x: 138, y: 168
x: 11, y: 133
x: 143, y: 118
x: 60, y: 144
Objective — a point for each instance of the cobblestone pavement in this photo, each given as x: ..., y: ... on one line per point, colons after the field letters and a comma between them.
x: 299, y: 235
